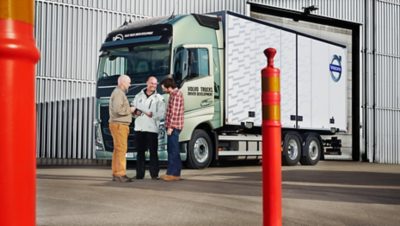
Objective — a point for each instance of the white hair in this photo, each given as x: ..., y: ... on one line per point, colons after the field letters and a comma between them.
x: 123, y: 78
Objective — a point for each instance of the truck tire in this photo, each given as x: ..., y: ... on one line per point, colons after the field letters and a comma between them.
x: 200, y: 150
x: 312, y: 150
x: 291, y: 150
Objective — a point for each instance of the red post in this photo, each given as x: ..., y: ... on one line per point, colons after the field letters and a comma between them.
x: 18, y: 56
x: 271, y: 142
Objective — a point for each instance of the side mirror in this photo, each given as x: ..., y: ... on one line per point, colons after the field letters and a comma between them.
x: 185, y: 63
x: 181, y: 66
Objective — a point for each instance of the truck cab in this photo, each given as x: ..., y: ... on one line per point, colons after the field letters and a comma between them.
x: 184, y: 47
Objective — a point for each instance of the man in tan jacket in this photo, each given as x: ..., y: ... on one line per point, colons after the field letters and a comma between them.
x: 120, y: 118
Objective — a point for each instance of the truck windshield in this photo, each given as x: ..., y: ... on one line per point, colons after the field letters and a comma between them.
x: 138, y: 62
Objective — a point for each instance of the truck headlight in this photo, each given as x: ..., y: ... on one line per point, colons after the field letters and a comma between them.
x: 98, y: 137
x: 162, y: 132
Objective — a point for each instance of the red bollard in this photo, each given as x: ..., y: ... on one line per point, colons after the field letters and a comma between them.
x: 18, y: 56
x: 271, y: 142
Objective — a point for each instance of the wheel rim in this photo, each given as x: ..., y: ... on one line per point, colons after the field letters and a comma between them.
x: 313, y: 150
x: 293, y: 149
x: 201, y: 150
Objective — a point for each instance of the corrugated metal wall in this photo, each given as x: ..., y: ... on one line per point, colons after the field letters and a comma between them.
x: 386, y: 75
x: 381, y: 104
x: 380, y: 21
x: 69, y: 34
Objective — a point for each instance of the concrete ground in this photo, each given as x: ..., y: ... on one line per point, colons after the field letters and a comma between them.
x: 330, y: 193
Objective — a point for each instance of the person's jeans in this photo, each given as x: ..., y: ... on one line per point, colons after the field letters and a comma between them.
x: 174, y: 157
x: 119, y: 134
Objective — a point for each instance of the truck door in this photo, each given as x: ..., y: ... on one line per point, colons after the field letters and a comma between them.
x: 193, y: 74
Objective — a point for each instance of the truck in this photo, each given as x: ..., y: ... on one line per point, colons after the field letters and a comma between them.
x: 216, y: 60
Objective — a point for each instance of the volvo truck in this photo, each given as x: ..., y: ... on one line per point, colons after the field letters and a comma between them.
x: 216, y: 61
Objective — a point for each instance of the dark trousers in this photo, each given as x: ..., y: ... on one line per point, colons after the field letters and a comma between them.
x: 174, y: 157
x: 147, y: 141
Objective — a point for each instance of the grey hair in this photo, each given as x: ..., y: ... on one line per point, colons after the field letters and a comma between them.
x: 123, y: 78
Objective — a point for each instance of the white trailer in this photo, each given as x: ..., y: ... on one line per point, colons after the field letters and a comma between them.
x: 313, y: 85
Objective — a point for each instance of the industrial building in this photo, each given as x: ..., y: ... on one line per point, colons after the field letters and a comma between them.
x: 69, y: 34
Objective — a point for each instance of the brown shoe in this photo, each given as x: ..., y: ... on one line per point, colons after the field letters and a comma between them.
x: 163, y: 176
x: 171, y: 178
x: 122, y: 179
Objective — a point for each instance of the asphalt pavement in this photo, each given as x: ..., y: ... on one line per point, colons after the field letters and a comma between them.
x: 330, y: 193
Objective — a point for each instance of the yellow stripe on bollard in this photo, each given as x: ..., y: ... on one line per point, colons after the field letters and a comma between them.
x: 17, y: 10
x: 271, y: 84
x: 271, y: 112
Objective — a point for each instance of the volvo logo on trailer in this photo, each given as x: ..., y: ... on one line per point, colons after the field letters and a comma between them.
x: 336, y: 68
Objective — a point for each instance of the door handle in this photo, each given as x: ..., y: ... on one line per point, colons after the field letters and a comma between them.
x: 205, y: 103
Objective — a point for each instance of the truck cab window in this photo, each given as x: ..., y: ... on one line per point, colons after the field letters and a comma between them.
x: 191, y: 63
x: 113, y: 64
x: 142, y: 67
x: 136, y: 61
x: 198, y: 62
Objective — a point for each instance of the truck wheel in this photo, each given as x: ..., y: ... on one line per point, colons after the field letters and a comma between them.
x: 291, y: 152
x: 200, y: 150
x: 312, y: 150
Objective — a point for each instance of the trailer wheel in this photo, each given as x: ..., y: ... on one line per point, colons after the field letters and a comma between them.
x: 200, y: 150
x: 311, y: 151
x: 291, y: 152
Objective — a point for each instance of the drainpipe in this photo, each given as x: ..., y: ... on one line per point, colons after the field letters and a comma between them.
x: 374, y: 78
x: 365, y: 79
